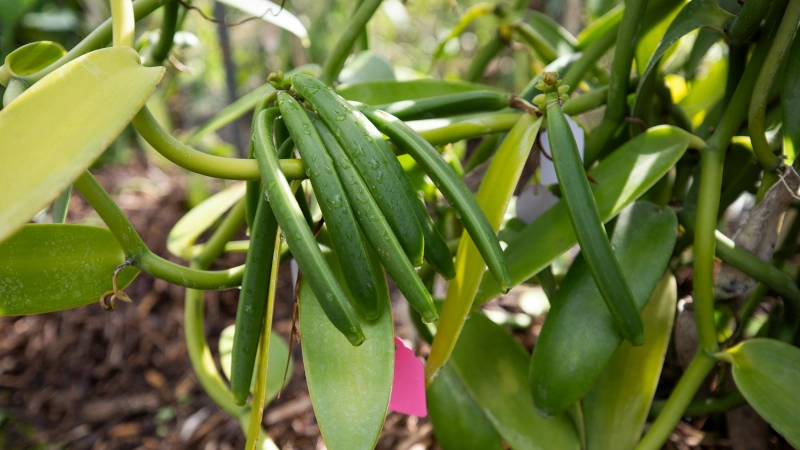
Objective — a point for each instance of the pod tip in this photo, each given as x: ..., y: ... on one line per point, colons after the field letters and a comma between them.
x: 637, y: 339
x: 371, y: 315
x: 356, y: 338
x: 430, y: 316
x: 239, y: 400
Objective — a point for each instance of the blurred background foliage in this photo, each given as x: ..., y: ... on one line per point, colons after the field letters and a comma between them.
x: 213, y: 64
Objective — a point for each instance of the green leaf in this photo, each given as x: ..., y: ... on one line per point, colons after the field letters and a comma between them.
x: 620, y: 179
x: 367, y: 66
x: 30, y: 58
x: 458, y: 421
x: 201, y: 218
x: 696, y: 14
x: 46, y: 268
x: 278, y: 357
x: 616, y: 407
x: 767, y: 372
x: 56, y: 129
x: 579, y: 335
x: 272, y: 13
x: 493, y: 368
x: 657, y: 20
x: 382, y: 92
x: 349, y: 386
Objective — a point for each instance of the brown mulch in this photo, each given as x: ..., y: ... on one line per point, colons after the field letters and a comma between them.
x: 89, y: 379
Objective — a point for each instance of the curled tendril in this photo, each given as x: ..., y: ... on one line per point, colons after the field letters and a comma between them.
x: 108, y: 301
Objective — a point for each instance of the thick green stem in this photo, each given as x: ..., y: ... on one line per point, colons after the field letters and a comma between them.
x: 675, y: 407
x: 97, y: 39
x: 203, y: 163
x: 618, y: 82
x: 14, y: 89
x: 483, y: 57
x: 705, y: 231
x: 200, y: 355
x: 335, y: 61
x: 704, y: 247
x: 464, y: 129
x: 704, y: 406
x: 112, y: 215
x: 207, y: 280
x: 766, y: 77
x: 137, y: 252
x: 123, y: 26
x: 589, y: 58
x: 168, y: 27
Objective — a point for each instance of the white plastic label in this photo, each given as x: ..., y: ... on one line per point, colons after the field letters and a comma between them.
x: 548, y: 171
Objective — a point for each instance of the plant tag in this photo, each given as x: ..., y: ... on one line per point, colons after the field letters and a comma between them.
x: 408, y: 387
x: 547, y: 170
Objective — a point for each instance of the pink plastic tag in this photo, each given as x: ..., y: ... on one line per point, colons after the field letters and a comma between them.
x: 408, y: 387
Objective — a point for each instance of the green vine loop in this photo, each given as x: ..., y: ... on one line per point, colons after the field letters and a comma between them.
x: 137, y: 252
x: 766, y: 78
x: 203, y: 163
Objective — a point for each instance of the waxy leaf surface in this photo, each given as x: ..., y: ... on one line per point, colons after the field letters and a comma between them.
x: 616, y: 407
x: 57, y: 128
x: 767, y: 373
x: 349, y: 386
x: 46, y: 268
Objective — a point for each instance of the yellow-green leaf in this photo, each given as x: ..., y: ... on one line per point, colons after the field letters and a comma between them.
x: 46, y: 268
x: 56, y: 129
x: 201, y: 218
x: 767, y: 372
x: 616, y: 407
x: 493, y: 197
x: 30, y: 58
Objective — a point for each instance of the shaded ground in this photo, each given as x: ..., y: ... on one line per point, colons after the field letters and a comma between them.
x: 89, y: 379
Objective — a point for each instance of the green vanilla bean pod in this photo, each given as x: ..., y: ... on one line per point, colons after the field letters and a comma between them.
x: 448, y: 105
x: 254, y: 191
x: 586, y: 222
x: 437, y: 254
x: 453, y: 188
x: 376, y: 229
x: 362, y: 149
x: 252, y: 300
x: 350, y: 249
x: 301, y: 241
